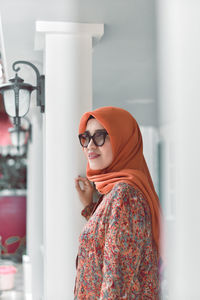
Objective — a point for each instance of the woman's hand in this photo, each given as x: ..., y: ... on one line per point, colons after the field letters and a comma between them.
x: 85, y: 191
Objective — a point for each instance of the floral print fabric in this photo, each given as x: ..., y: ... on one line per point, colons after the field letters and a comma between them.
x: 117, y: 258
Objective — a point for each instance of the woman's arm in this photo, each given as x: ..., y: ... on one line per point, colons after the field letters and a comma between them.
x: 85, y: 192
x: 87, y: 211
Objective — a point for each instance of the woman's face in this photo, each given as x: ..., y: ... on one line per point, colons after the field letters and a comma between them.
x: 99, y: 157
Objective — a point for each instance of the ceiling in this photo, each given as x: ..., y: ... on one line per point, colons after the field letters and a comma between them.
x: 124, y: 61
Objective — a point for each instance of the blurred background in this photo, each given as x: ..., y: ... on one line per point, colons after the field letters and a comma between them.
x: 143, y: 56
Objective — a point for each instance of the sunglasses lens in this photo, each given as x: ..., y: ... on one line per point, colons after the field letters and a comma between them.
x: 99, y: 138
x: 84, y: 140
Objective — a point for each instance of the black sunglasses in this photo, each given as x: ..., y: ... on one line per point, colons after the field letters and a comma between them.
x: 98, y: 138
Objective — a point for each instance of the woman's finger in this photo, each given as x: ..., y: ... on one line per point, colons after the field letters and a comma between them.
x: 84, y: 180
x: 77, y: 185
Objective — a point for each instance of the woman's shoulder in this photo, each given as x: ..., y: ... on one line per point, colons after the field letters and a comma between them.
x: 122, y: 193
x: 128, y: 197
x: 124, y: 188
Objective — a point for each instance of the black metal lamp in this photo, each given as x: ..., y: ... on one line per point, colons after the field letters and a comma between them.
x: 16, y: 94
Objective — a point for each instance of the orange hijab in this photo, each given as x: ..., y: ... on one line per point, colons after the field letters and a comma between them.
x: 128, y: 164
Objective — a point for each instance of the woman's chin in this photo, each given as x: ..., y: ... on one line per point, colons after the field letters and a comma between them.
x: 95, y: 166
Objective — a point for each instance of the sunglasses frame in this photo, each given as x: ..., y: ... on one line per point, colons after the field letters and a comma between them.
x: 104, y: 133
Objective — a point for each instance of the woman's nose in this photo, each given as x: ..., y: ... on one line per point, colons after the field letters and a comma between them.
x: 91, y: 145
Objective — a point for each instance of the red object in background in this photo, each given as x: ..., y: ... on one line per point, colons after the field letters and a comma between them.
x: 12, y: 222
x: 5, y: 124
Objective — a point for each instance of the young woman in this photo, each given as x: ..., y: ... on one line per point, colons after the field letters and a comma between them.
x: 119, y: 246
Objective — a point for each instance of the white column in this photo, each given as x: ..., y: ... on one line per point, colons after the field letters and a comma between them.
x: 68, y: 69
x: 179, y: 60
x: 35, y: 208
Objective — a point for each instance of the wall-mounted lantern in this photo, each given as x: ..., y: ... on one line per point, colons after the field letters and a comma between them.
x: 16, y: 94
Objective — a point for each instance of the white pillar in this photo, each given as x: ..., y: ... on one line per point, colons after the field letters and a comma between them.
x: 179, y: 48
x: 35, y: 208
x: 68, y: 69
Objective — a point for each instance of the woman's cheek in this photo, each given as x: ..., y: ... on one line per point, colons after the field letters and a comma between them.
x: 85, y: 152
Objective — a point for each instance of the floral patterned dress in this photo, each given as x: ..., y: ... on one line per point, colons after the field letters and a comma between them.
x: 117, y: 257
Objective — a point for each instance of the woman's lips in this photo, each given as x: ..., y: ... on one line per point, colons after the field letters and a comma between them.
x: 93, y: 155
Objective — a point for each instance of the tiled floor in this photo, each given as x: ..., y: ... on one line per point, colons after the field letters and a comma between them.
x: 18, y: 292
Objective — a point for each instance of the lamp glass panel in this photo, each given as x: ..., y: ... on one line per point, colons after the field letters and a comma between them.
x: 9, y: 102
x: 24, y: 102
x: 18, y: 138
